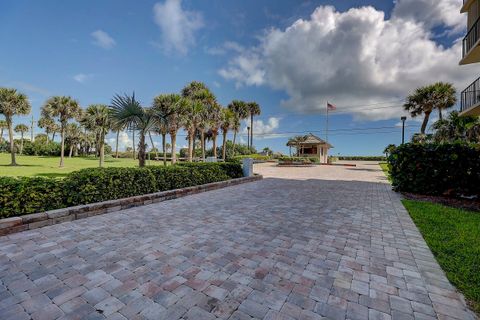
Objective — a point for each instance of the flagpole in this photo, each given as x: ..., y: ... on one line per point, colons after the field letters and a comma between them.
x: 326, y: 129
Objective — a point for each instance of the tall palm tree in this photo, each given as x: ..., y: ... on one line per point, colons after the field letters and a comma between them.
x: 127, y: 111
x: 64, y: 108
x: 253, y: 110
x: 445, y: 96
x: 21, y: 128
x: 215, y: 121
x: 97, y: 118
x: 170, y: 107
x: 241, y: 112
x: 422, y: 101
x: 226, y: 123
x: 13, y: 103
x: 73, y: 135
x: 193, y: 113
x: 3, y: 126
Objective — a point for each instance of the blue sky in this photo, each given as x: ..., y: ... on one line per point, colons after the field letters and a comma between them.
x: 289, y: 56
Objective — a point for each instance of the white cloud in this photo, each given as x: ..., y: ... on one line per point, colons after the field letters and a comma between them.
x: 225, y: 48
x: 124, y: 141
x: 82, y: 77
x: 264, y: 130
x: 353, y: 59
x: 177, y: 25
x: 103, y: 39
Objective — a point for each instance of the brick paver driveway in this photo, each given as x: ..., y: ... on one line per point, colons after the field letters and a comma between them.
x: 304, y: 243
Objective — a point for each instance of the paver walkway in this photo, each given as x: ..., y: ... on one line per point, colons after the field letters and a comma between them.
x: 304, y: 243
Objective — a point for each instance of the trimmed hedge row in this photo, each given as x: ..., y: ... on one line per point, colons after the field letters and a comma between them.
x: 436, y: 169
x: 19, y: 196
x: 362, y: 158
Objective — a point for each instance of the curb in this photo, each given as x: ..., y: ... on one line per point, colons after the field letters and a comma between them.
x: 42, y: 219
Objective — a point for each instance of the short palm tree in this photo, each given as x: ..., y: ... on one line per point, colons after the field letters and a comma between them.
x: 445, y: 96
x: 3, y: 126
x: 117, y: 130
x: 215, y: 121
x: 63, y: 108
x: 297, y: 142
x: 193, y: 112
x: 253, y: 110
x: 227, y: 120
x: 13, y: 103
x: 170, y: 107
x: 126, y: 111
x: 22, y: 129
x: 241, y: 112
x: 73, y: 134
x: 97, y: 118
x: 422, y: 101
x: 48, y: 124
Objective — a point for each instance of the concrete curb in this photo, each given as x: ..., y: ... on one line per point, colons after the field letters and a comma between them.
x: 38, y: 220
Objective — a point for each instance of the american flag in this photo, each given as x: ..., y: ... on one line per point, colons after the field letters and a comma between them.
x: 331, y: 106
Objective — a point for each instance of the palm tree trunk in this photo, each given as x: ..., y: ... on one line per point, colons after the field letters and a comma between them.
x: 151, y: 141
x: 214, y: 142
x: 62, y: 149
x: 21, y: 144
x: 53, y: 136
x: 425, y: 122
x: 141, y: 150
x: 190, y: 145
x: 164, y: 147
x: 71, y: 151
x: 12, y: 143
x: 1, y: 135
x: 234, y: 139
x: 133, y: 140
x: 116, y: 144
x: 173, y: 137
x: 202, y: 137
x: 251, y: 131
x: 440, y: 115
x: 102, y: 150
x: 224, y: 145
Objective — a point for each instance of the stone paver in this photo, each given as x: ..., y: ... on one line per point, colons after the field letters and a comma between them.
x: 304, y: 243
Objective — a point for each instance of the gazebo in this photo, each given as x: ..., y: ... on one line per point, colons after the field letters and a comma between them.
x: 311, y: 146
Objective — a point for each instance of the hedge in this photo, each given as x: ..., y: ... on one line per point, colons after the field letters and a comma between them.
x: 436, y: 169
x: 362, y: 158
x: 19, y: 196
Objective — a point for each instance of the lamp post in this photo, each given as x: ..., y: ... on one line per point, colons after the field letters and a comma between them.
x: 248, y: 139
x: 403, y: 128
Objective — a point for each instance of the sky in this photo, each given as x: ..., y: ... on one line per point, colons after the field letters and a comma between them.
x: 290, y: 56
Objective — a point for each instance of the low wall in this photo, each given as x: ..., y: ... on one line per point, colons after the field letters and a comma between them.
x: 38, y: 220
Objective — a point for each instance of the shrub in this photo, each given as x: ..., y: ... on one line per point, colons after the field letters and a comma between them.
x: 253, y: 156
x: 436, y: 169
x: 25, y: 195
x: 295, y: 159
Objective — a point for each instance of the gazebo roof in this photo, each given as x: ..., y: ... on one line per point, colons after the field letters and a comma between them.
x: 311, y: 139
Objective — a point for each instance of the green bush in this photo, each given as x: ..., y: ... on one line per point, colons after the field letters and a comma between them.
x: 436, y: 169
x: 362, y: 158
x: 25, y: 195
x: 253, y: 156
x: 295, y: 159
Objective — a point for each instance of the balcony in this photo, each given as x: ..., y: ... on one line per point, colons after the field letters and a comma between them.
x: 470, y: 48
x: 470, y: 100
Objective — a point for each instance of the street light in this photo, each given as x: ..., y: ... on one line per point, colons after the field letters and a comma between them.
x: 248, y: 139
x: 403, y: 128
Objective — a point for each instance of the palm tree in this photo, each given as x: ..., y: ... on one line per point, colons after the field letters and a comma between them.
x: 73, y: 135
x: 297, y: 142
x: 171, y: 108
x: 97, y: 118
x: 456, y: 128
x: 64, y: 108
x: 422, y: 101
x: 3, y: 126
x: 445, y: 96
x: 13, y: 103
x: 215, y: 121
x: 193, y: 113
x: 239, y: 108
x: 21, y: 128
x: 254, y: 110
x: 117, y: 129
x: 127, y: 111
x: 226, y: 123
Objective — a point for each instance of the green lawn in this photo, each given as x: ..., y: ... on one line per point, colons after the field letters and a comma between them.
x: 453, y: 235
x: 48, y: 166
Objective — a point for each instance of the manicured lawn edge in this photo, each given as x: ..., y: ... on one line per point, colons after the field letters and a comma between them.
x: 453, y: 236
x: 38, y: 220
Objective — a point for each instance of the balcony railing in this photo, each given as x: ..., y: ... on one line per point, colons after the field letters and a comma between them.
x: 470, y: 96
x: 471, y: 38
